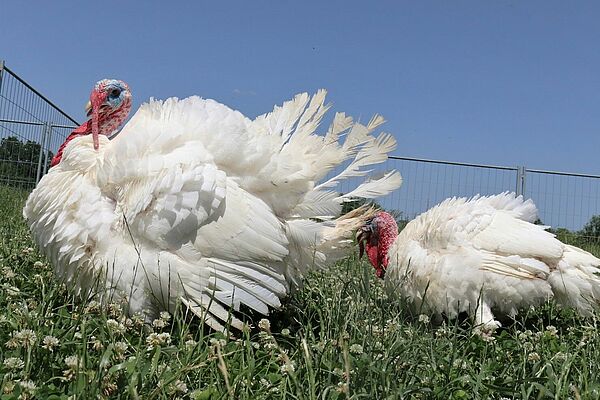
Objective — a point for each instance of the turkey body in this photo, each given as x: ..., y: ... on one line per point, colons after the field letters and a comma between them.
x: 485, y: 255
x: 194, y: 202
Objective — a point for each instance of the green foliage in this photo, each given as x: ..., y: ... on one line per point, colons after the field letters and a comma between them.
x: 354, y: 204
x: 592, y: 228
x: 19, y: 160
x: 338, y: 337
x: 587, y: 238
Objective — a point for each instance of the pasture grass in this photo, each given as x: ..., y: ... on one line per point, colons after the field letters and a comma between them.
x: 338, y: 337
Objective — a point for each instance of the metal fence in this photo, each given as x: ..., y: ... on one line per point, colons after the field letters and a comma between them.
x: 563, y: 199
x: 31, y: 129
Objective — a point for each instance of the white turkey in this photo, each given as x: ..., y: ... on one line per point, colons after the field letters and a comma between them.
x: 482, y: 256
x: 194, y: 202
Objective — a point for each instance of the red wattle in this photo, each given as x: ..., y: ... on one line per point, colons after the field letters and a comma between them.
x: 82, y: 130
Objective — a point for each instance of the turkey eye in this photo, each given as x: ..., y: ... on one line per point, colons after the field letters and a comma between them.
x: 115, y: 93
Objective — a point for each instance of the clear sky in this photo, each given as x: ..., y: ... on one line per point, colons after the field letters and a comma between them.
x: 498, y: 82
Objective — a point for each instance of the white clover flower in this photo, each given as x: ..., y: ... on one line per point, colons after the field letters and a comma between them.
x: 190, y: 344
x: 114, y: 309
x: 424, y: 318
x: 552, y: 331
x: 485, y: 334
x: 93, y: 307
x: 342, y: 387
x: 121, y: 347
x: 8, y: 387
x: 28, y: 386
x: 27, y: 250
x: 14, y: 363
x: 158, y: 339
x: 73, y: 362
x: 11, y: 291
x: 38, y: 264
x: 264, y: 325
x: 159, y: 323
x: 560, y: 356
x: 288, y: 367
x: 533, y: 357
x: 270, y: 346
x: 165, y: 316
x: 376, y: 330
x: 96, y: 344
x: 285, y: 332
x: 115, y: 326
x: 25, y: 337
x: 50, y: 342
x: 356, y: 349
x: 138, y: 320
x: 8, y: 273
x: 77, y: 335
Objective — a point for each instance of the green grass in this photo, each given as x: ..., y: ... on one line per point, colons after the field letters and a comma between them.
x: 339, y: 337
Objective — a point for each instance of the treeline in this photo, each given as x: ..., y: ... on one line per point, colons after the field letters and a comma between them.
x: 19, y: 161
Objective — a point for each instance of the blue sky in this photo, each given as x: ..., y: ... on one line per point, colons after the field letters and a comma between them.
x: 502, y: 82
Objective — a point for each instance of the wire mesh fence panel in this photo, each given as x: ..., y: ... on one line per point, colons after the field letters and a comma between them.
x: 31, y: 129
x: 428, y: 182
x: 564, y: 200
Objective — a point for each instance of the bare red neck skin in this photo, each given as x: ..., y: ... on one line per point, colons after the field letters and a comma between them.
x: 82, y: 130
x: 108, y: 122
x: 377, y: 251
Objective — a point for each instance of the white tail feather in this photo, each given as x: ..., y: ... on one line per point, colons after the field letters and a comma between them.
x: 372, y: 189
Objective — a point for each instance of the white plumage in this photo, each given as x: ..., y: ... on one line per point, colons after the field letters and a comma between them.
x: 485, y: 255
x: 192, y: 201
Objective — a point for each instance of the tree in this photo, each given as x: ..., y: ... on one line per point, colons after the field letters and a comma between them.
x: 592, y: 228
x: 19, y: 161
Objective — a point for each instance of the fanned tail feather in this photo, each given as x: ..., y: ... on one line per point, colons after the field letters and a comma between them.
x: 303, y: 158
x: 374, y: 188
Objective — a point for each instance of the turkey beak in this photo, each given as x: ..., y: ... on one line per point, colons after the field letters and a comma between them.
x: 88, y: 108
x: 361, y: 238
x: 361, y: 249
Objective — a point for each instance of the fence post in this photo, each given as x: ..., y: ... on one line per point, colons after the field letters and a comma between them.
x: 38, y: 175
x: 47, y: 147
x: 521, y: 176
x: 1, y: 73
